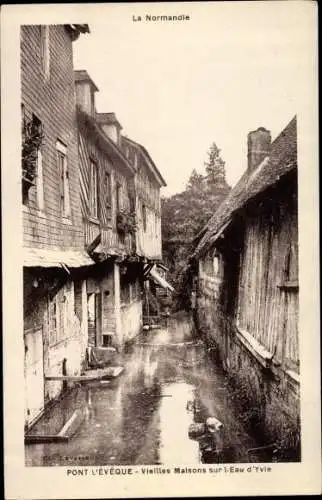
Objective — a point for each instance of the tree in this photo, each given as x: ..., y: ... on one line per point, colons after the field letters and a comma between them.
x: 215, y: 166
x: 185, y: 214
x: 195, y: 181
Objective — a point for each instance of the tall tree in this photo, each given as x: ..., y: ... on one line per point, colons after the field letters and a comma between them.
x: 215, y: 166
x: 185, y: 214
x: 195, y: 181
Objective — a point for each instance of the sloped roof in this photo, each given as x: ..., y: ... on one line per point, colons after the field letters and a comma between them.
x: 89, y: 125
x: 108, y: 118
x: 153, y: 168
x: 282, y: 159
x: 81, y: 75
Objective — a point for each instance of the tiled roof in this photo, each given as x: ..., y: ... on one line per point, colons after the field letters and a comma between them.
x: 282, y: 159
x: 152, y: 166
x: 81, y: 75
x: 90, y: 125
x: 108, y: 118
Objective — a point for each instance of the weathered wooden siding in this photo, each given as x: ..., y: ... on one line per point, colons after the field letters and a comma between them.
x: 52, y: 99
x: 148, y: 238
x: 268, y: 285
x: 247, y: 308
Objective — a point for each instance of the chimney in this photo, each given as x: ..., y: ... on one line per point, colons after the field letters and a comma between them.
x: 85, y: 92
x: 110, y: 125
x: 259, y: 143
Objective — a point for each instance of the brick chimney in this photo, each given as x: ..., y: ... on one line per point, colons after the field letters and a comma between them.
x: 259, y: 143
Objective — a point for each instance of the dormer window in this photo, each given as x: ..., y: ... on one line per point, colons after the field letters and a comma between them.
x: 85, y: 92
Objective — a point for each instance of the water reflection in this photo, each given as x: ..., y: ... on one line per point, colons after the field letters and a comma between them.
x: 144, y: 416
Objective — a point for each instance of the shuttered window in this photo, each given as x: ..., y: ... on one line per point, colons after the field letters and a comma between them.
x: 144, y: 221
x: 93, y: 201
x: 44, y: 50
x: 62, y: 167
x: 52, y: 320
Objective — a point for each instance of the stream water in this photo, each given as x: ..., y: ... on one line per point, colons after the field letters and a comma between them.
x: 144, y: 415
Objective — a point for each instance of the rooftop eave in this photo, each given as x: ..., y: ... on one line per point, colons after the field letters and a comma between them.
x: 76, y: 29
x: 81, y: 75
x: 153, y: 168
x: 110, y: 147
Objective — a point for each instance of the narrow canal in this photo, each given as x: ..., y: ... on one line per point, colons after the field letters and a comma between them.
x: 144, y: 415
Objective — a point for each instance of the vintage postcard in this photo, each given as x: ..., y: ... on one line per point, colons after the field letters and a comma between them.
x: 160, y: 249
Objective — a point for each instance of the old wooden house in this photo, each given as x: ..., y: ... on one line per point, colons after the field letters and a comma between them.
x: 108, y: 209
x: 120, y: 192
x: 148, y: 182
x: 247, y: 286
x: 54, y: 260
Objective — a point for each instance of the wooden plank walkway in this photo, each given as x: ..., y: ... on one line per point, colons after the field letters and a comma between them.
x: 90, y: 375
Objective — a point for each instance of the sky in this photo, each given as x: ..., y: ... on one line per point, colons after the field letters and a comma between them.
x: 178, y: 86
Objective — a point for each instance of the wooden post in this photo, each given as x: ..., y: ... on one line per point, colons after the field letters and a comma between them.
x: 117, y: 304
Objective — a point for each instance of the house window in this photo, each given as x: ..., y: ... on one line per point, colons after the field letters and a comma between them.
x: 34, y: 130
x: 135, y: 159
x: 62, y: 166
x: 92, y: 103
x: 124, y: 289
x: 144, y: 217
x: 52, y: 320
x: 44, y: 49
x: 118, y: 197
x: 108, y: 188
x: 93, y: 200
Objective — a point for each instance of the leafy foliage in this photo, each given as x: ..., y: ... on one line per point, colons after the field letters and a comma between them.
x: 126, y: 222
x: 32, y: 138
x: 215, y: 166
x: 183, y: 217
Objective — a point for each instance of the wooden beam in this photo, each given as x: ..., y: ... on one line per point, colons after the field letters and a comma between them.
x: 71, y: 378
x: 54, y: 438
x: 64, y: 430
x: 91, y: 247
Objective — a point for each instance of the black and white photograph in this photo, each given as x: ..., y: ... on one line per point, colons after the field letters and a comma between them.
x: 160, y: 195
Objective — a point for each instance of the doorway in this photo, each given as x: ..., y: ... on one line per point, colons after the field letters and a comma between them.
x: 94, y: 314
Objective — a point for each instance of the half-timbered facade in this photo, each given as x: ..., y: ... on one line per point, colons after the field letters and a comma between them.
x: 148, y: 240
x: 148, y: 182
x: 109, y: 218
x: 247, y: 291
